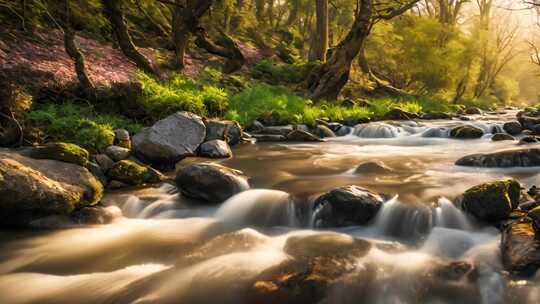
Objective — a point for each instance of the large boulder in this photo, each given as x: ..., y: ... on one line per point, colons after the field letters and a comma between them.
x: 69, y: 153
x: 215, y: 149
x: 513, y: 127
x: 132, y: 173
x: 466, y: 132
x: 492, y: 202
x: 40, y: 186
x: 529, y: 118
x: 229, y: 131
x: 346, y: 206
x: 170, y: 139
x: 503, y: 159
x: 208, y: 182
x: 520, y: 248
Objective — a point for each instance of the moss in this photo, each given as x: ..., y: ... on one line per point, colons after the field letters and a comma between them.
x: 95, y: 195
x: 128, y: 171
x: 492, y: 201
x: 69, y: 153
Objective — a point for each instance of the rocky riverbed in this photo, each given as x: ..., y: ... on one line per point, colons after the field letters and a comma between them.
x: 434, y: 208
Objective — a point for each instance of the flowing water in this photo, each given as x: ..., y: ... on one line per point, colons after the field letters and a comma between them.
x: 163, y: 248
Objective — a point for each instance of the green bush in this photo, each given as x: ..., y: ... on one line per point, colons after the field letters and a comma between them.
x: 162, y: 98
x: 264, y: 101
x: 78, y: 124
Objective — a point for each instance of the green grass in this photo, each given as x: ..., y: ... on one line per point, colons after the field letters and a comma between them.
x: 277, y: 73
x: 78, y: 124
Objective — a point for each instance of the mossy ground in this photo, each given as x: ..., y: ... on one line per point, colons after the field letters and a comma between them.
x: 69, y: 153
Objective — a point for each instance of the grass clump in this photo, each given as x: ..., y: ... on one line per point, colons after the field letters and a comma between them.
x: 78, y: 124
x: 162, y: 98
x: 276, y: 73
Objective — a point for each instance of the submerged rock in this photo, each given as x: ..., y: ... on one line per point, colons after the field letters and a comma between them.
x: 346, y: 206
x: 520, y: 248
x: 69, y: 153
x: 492, y: 202
x: 210, y: 182
x: 436, y: 115
x: 502, y: 137
x: 373, y: 167
x: 398, y: 114
x: 299, y: 135
x: 513, y: 127
x: 170, y: 139
x: 132, y: 173
x: 325, y: 244
x: 503, y: 159
x: 466, y: 132
x: 269, y: 138
x: 473, y: 111
x: 40, y: 186
x: 215, y: 149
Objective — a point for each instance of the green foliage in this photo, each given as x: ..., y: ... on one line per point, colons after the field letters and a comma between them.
x: 162, y: 98
x: 379, y: 107
x: 276, y: 73
x: 78, y: 124
x: 264, y: 100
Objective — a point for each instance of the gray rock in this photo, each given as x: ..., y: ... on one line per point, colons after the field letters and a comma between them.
x: 513, y: 128
x: 215, y: 149
x: 210, y: 182
x: 104, y: 161
x: 122, y: 138
x: 346, y: 206
x: 269, y: 138
x: 298, y: 135
x: 344, y: 131
x: 503, y: 159
x: 229, y: 131
x: 323, y: 131
x: 466, y: 132
x: 98, y: 172
x: 117, y: 153
x: 255, y: 127
x: 278, y: 130
x: 501, y: 137
x: 170, y: 139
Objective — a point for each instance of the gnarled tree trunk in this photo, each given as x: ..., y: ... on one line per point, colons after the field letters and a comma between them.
x: 322, y: 30
x: 225, y: 47
x: 113, y: 11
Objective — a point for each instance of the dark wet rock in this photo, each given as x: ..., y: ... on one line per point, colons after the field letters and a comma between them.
x: 104, y: 161
x: 373, y: 167
x: 226, y: 130
x: 534, y: 215
x: 278, y: 130
x: 520, y: 248
x: 346, y: 206
x: 255, y: 127
x: 170, y: 139
x: 92, y: 216
x: 529, y: 205
x: 210, y: 182
x: 133, y: 173
x: 269, y: 138
x: 436, y: 115
x: 44, y: 186
x: 98, y: 172
x: 344, y: 131
x: 513, y: 127
x: 69, y: 153
x: 299, y: 135
x: 503, y: 159
x: 529, y: 118
x: 492, y: 202
x: 323, y: 131
x: 302, y: 127
x: 473, y: 111
x: 464, y: 118
x: 435, y: 133
x: 398, y: 114
x: 122, y: 138
x: 215, y: 149
x: 536, y: 129
x: 117, y: 153
x: 527, y: 140
x: 502, y: 137
x: 466, y: 132
x: 117, y: 185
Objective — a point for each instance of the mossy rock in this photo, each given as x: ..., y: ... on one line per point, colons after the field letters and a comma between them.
x: 69, y: 153
x: 466, y: 132
x: 130, y: 172
x: 492, y: 202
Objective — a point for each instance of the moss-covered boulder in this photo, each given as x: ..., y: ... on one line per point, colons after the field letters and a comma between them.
x: 466, y: 132
x: 492, y: 202
x: 130, y: 172
x: 69, y: 153
x: 31, y: 188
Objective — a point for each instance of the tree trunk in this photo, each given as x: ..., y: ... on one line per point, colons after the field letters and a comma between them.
x: 115, y: 14
x: 322, y: 30
x: 226, y: 47
x: 293, y: 12
x: 334, y: 74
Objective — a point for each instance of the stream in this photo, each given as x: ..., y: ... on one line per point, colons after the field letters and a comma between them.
x: 164, y: 248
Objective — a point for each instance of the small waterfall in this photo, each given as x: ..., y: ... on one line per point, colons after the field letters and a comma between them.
x: 379, y: 130
x: 259, y: 207
x: 436, y: 133
x: 449, y: 216
x: 153, y: 204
